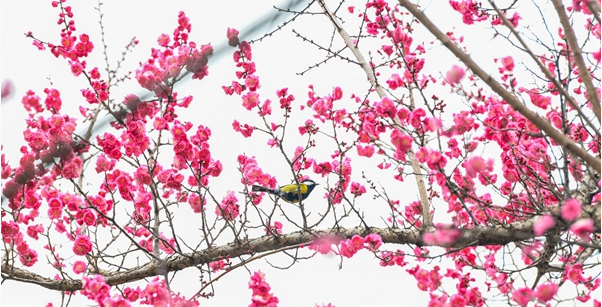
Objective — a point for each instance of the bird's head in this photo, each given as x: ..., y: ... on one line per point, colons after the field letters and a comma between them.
x: 309, y: 182
x: 310, y: 185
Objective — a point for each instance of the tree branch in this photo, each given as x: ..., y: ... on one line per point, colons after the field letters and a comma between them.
x: 427, y: 218
x: 477, y: 236
x: 544, y: 125
x: 544, y: 69
x: 584, y: 73
x: 594, y: 7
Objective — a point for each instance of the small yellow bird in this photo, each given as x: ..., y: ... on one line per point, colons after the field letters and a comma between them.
x: 289, y: 193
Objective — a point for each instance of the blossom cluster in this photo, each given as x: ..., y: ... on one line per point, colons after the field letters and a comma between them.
x: 228, y: 208
x: 159, y: 72
x: 350, y: 247
x: 261, y: 292
x: 155, y: 293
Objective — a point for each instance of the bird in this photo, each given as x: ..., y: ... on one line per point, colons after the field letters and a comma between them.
x: 289, y: 193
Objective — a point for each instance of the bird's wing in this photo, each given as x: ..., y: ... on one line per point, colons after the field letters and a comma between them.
x: 293, y: 187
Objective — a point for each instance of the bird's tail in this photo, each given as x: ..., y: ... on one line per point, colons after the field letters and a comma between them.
x: 258, y: 188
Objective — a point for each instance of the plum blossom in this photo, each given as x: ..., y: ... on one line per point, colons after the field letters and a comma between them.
x: 228, y: 208
x: 261, y: 292
x: 82, y: 245
x: 543, y: 224
x: 522, y: 296
x: 571, y: 209
x: 455, y: 75
x: 79, y: 267
x: 546, y: 291
x: 583, y: 228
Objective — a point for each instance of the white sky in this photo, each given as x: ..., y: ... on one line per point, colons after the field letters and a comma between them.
x: 361, y: 282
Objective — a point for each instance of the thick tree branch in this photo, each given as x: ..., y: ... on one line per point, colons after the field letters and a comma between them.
x: 584, y: 73
x: 478, y: 236
x: 544, y: 125
x: 594, y: 7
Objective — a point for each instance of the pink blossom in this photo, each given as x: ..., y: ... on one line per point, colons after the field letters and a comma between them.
x: 79, y: 267
x: 245, y: 129
x: 470, y: 11
x: 372, y: 241
x: 252, y: 83
x: 597, y: 55
x: 131, y: 295
x: 73, y: 168
x: 8, y: 88
x: 357, y: 189
x: 474, y: 166
x: 507, y: 64
x: 196, y: 202
x: 323, y: 245
x: 543, y: 224
x: 351, y: 246
x: 141, y: 175
x: 34, y: 230
x: 217, y: 266
x: 583, y: 228
x: 571, y: 209
x: 10, y: 229
x: 155, y: 293
x: 366, y: 151
x: 539, y: 100
x: 95, y: 288
x: 514, y: 19
x: 232, y: 35
x: 395, y: 81
x: 28, y: 257
x: 323, y: 107
x: 250, y: 100
x: 228, y: 207
x: 457, y: 300
x: 278, y: 227
x: 104, y: 164
x: 337, y: 93
x: 274, y: 229
x: 427, y: 280
x: 522, y: 296
x: 455, y: 75
x: 443, y: 235
x: 82, y: 245
x: 546, y: 291
x: 31, y: 102
x: 390, y: 258
x: 385, y: 108
x: 574, y: 273
x: 94, y: 73
x: 76, y: 68
x: 163, y: 40
x: 261, y: 292
x: 53, y: 101
x: 401, y: 141
x: 266, y: 108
